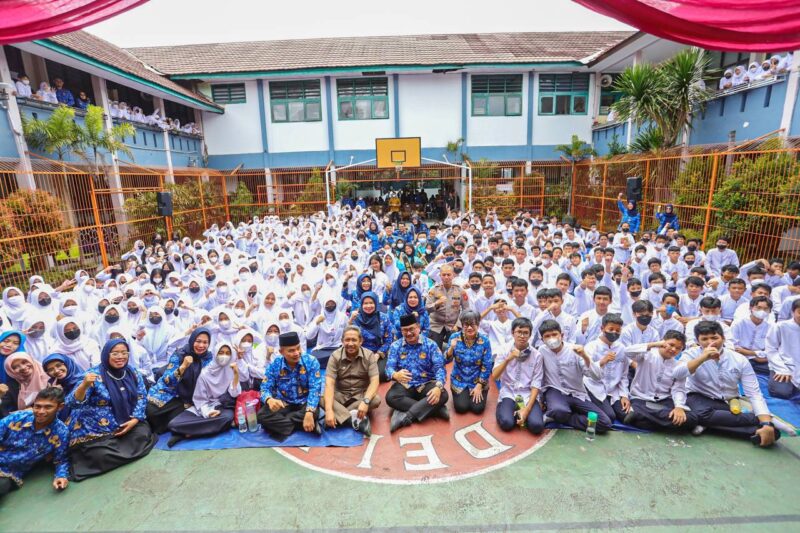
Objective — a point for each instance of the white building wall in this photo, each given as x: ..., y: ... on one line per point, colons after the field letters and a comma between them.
x: 430, y: 108
x: 497, y: 131
x: 237, y: 131
x: 361, y: 134
x: 559, y: 129
x: 297, y: 136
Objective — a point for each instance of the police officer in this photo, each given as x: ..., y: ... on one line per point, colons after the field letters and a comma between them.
x: 444, y: 303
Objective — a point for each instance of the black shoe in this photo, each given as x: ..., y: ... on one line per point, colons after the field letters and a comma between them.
x: 317, y: 428
x: 365, y: 427
x: 442, y: 412
x: 629, y: 418
x: 175, y: 439
x: 400, y: 419
x: 755, y: 438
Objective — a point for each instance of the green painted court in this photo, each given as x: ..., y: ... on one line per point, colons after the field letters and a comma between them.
x: 621, y: 481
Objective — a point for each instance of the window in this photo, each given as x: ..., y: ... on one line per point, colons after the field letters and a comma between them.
x: 232, y: 93
x: 497, y: 96
x: 363, y: 98
x: 295, y: 101
x: 563, y: 94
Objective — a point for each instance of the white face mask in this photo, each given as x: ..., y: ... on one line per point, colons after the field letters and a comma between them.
x: 272, y: 339
x: 284, y: 324
x: 223, y: 360
x: 331, y: 282
x: 238, y: 311
x: 761, y: 315
x: 639, y: 255
x: 659, y: 245
x: 16, y: 301
x: 307, y: 294
x: 712, y: 318
x: 657, y: 287
x: 224, y: 324
x: 69, y: 310
x: 88, y: 288
x: 553, y: 344
x: 245, y: 345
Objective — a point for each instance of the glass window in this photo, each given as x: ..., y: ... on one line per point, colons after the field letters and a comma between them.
x: 297, y: 111
x: 497, y: 105
x: 292, y: 100
x: 578, y: 105
x: 379, y: 109
x: 313, y: 111
x: 563, y: 94
x: 546, y: 105
x: 563, y: 104
x: 230, y: 93
x: 346, y: 109
x: 514, y: 105
x: 363, y: 98
x: 497, y: 95
x: 278, y: 112
x: 363, y: 109
x: 479, y: 105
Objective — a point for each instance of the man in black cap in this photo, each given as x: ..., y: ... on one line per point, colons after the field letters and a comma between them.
x: 416, y: 366
x: 291, y: 391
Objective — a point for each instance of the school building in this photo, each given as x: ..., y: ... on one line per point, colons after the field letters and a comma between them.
x: 300, y: 103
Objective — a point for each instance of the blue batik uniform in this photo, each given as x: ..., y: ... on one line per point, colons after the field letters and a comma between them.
x: 354, y: 296
x: 93, y: 418
x: 167, y: 387
x: 473, y: 364
x: 375, y: 239
x: 382, y: 343
x: 294, y: 386
x: 632, y: 217
x: 423, y: 318
x: 424, y: 360
x: 22, y: 446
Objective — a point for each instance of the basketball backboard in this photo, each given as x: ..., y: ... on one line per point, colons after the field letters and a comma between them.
x: 398, y: 152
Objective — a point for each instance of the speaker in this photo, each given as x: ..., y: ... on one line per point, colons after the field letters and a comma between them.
x: 164, y: 201
x: 634, y: 189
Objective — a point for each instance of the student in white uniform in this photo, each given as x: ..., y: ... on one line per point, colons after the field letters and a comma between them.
x: 658, y: 400
x: 709, y: 311
x: 714, y: 375
x: 749, y: 334
x: 640, y: 331
x: 783, y: 352
x: 609, y: 390
x: 589, y: 323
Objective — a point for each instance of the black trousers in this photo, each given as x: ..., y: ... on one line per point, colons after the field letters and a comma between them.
x: 784, y: 389
x: 507, y: 421
x: 441, y: 337
x: 160, y: 417
x: 283, y: 422
x: 612, y: 410
x: 382, y: 370
x: 462, y: 402
x: 716, y: 414
x: 414, y: 402
x: 653, y: 419
x: 7, y: 485
x: 566, y: 409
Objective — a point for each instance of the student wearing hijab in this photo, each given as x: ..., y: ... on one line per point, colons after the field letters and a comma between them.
x: 397, y: 296
x: 74, y: 343
x: 174, y: 390
x: 327, y: 328
x: 108, y: 427
x: 363, y: 285
x: 726, y: 81
x: 15, y: 306
x: 213, y: 401
x: 630, y: 214
x: 376, y: 328
x: 154, y: 337
x: 37, y: 343
x: 413, y: 304
x: 739, y: 75
x: 667, y: 220
x: 64, y: 374
x: 29, y: 376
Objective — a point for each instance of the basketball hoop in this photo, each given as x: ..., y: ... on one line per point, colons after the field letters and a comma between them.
x: 398, y: 168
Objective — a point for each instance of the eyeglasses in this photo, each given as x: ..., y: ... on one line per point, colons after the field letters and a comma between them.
x: 520, y: 333
x: 124, y: 354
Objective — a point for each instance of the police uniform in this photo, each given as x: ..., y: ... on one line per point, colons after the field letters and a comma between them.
x: 444, y: 316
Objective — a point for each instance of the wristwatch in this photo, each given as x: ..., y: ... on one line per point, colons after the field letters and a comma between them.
x: 365, y: 400
x: 310, y: 409
x: 440, y: 385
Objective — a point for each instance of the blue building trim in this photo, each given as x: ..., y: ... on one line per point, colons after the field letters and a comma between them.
x: 396, y: 82
x: 529, y: 139
x: 8, y: 148
x: 329, y: 115
x: 262, y: 115
x: 464, y: 110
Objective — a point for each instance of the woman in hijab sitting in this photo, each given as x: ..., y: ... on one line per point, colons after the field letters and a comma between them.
x: 213, y: 401
x: 363, y: 285
x: 726, y: 81
x: 327, y: 327
x: 26, y: 379
x: 11, y: 342
x: 667, y: 220
x: 107, y: 426
x: 74, y: 343
x: 64, y: 374
x: 376, y: 328
x: 630, y: 214
x: 397, y: 296
x: 173, y: 393
x: 414, y: 304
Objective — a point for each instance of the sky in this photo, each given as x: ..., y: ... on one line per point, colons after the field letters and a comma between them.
x: 169, y: 22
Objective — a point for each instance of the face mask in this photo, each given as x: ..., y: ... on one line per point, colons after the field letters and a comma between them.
x: 223, y: 360
x: 625, y: 230
x: 170, y: 310
x: 44, y: 302
x: 692, y: 247
x: 70, y: 310
x: 659, y: 245
x: 72, y: 335
x: 223, y: 290
x: 331, y: 282
x: 15, y: 301
x: 644, y: 319
x: 307, y: 294
x: 612, y: 337
x: 536, y: 282
x: 635, y: 294
x: 157, y: 280
x: 553, y: 344
x: 87, y: 289
x: 224, y: 324
x: 422, y: 240
x: 150, y: 299
x: 657, y: 287
x: 640, y: 255
x: 238, y: 311
x: 475, y: 286
x: 35, y: 333
x: 458, y: 270
x: 330, y: 308
x: 313, y: 264
x: 133, y: 310
x: 226, y: 262
x: 670, y: 309
x: 760, y: 315
x: 722, y: 246
x: 284, y: 324
x: 245, y: 345
x: 213, y: 259
x: 101, y: 308
x: 712, y: 318
x: 272, y: 339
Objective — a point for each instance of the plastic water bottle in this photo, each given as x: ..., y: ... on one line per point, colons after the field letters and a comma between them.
x: 735, y: 406
x: 520, y: 405
x: 252, y: 420
x: 591, y: 425
x: 241, y: 419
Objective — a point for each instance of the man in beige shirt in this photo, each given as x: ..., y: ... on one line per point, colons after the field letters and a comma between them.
x: 444, y: 303
x: 351, y: 383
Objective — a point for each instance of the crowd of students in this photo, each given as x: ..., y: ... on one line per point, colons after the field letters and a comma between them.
x: 743, y: 75
x: 639, y: 327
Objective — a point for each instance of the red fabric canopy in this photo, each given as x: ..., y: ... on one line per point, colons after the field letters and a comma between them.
x: 26, y: 20
x: 730, y: 25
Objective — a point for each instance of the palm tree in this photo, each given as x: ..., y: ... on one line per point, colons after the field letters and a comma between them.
x: 94, y: 141
x: 576, y: 150
x: 57, y: 135
x: 665, y: 95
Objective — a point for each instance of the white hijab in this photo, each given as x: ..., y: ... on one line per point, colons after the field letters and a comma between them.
x: 84, y: 351
x: 213, y: 382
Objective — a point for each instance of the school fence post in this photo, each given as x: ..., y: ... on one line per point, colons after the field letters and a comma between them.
x: 202, y: 200
x: 603, y: 197
x: 644, y: 194
x: 571, y: 206
x: 97, y: 222
x: 709, y: 204
x: 224, y: 180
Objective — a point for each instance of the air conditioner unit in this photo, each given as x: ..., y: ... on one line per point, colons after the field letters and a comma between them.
x: 606, y: 80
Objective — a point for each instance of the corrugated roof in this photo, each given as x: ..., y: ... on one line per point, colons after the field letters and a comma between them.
x: 105, y: 52
x: 460, y: 49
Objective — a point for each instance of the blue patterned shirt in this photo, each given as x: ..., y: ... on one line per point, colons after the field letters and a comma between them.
x: 167, y: 387
x: 22, y: 446
x: 424, y: 360
x: 375, y: 344
x: 93, y: 418
x: 473, y: 364
x: 299, y: 385
x: 424, y: 321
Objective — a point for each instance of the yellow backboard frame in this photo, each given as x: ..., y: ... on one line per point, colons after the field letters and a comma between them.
x: 393, y: 152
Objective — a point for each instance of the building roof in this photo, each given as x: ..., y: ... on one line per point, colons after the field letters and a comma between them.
x: 406, y: 50
x: 86, y: 44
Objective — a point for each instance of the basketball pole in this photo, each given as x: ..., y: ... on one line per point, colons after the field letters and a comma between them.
x: 328, y: 177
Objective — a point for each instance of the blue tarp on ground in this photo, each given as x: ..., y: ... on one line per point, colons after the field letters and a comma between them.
x: 344, y: 437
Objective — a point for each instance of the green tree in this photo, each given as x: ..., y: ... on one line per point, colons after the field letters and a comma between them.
x: 576, y: 150
x: 615, y: 147
x: 648, y: 139
x: 58, y: 134
x: 94, y: 141
x: 241, y: 204
x: 663, y: 95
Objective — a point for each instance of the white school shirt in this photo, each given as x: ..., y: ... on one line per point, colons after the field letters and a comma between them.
x: 549, y: 275
x: 719, y: 380
x: 743, y: 312
x: 783, y: 349
x: 716, y: 259
x: 499, y: 333
x: 592, y: 329
x: 663, y: 325
x: 689, y: 307
x: 691, y: 340
x: 329, y: 334
x: 519, y: 376
x: 747, y: 334
x: 785, y: 311
x: 632, y: 335
x: 584, y: 300
x: 654, y: 379
x: 565, y: 371
x: 613, y: 380
x: 729, y: 306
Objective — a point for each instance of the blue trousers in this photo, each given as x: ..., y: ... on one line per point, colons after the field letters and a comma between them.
x: 507, y: 421
x: 566, y: 409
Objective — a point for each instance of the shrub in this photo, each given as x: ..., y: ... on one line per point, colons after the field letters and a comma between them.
x: 10, y: 250
x: 241, y: 204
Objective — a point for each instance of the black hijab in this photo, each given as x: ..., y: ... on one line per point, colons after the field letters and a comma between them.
x: 192, y: 372
x: 121, y: 383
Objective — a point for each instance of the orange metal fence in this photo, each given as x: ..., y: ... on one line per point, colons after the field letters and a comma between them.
x: 76, y: 218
